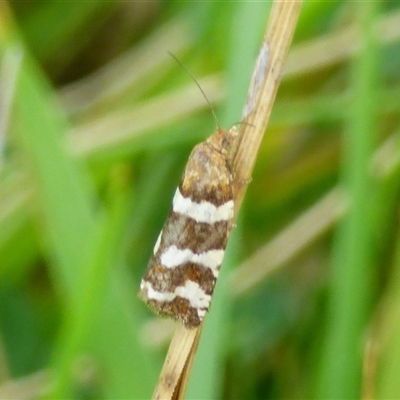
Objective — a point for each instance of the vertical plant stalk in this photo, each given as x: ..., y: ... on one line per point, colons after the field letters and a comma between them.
x: 264, y: 85
x: 260, y: 99
x: 351, y: 284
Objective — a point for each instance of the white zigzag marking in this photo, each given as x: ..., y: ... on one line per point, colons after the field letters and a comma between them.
x: 203, y: 211
x: 174, y: 257
x: 191, y: 291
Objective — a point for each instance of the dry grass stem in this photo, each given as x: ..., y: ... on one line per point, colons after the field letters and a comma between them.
x: 265, y: 82
x: 178, y: 354
x: 263, y: 88
x: 181, y: 389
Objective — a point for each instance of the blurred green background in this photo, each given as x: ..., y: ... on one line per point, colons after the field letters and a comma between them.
x: 96, y: 124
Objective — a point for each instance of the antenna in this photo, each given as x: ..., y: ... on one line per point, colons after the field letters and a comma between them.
x: 198, y: 85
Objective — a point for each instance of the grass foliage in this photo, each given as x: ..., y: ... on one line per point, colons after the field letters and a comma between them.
x: 96, y: 124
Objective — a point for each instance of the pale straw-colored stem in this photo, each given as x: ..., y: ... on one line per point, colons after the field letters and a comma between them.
x: 264, y: 85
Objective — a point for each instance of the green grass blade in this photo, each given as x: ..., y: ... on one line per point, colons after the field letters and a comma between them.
x: 67, y: 204
x: 351, y: 286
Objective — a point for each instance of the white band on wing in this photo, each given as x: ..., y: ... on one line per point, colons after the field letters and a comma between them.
x: 203, y: 211
x: 173, y: 257
x: 191, y: 291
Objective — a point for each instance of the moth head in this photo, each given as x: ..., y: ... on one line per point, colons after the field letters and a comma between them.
x: 222, y: 140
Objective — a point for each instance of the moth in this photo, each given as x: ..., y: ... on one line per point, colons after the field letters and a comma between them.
x: 181, y: 275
